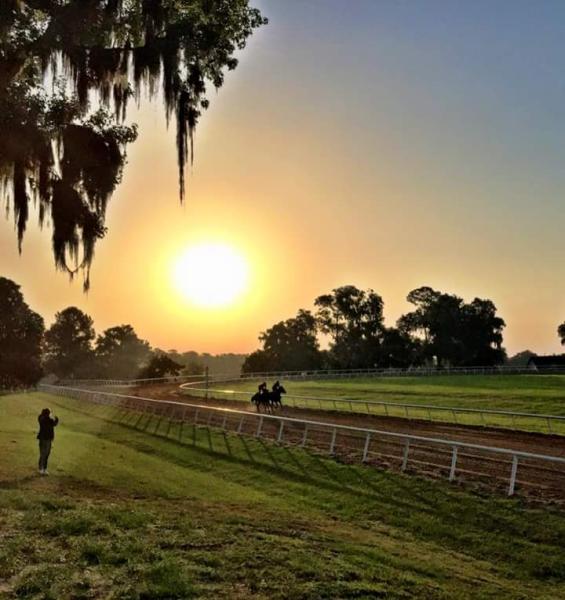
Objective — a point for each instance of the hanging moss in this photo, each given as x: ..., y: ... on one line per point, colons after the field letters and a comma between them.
x: 66, y: 150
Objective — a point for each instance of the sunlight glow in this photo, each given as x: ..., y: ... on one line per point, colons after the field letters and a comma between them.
x: 211, y: 275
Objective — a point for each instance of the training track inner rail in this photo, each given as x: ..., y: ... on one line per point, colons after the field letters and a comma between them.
x: 364, y: 406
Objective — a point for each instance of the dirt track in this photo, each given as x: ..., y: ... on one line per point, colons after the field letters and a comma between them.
x: 536, y: 443
x: 537, y: 479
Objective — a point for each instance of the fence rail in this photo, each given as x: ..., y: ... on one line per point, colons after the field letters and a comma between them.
x: 328, y: 374
x: 553, y: 424
x: 406, y: 372
x: 457, y: 461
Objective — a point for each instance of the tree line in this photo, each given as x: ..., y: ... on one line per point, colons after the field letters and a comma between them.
x: 440, y: 330
x: 70, y: 348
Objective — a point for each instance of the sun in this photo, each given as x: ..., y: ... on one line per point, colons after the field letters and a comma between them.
x: 211, y: 275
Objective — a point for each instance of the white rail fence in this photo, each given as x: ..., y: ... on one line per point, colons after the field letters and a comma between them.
x: 325, y: 374
x: 507, y: 469
x: 553, y: 424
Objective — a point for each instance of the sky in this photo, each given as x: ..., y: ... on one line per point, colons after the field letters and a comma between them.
x: 384, y: 144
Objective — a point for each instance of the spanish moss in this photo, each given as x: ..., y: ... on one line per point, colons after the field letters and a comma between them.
x: 68, y: 71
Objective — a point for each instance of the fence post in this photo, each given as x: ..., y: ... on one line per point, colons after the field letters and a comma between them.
x: 366, y: 448
x: 549, y: 425
x: 304, y: 436
x: 453, y: 464
x: 224, y: 421
x: 279, y: 437
x: 259, y: 426
x: 405, y: 458
x: 239, y: 427
x: 207, y: 374
x: 513, y: 472
x: 332, y: 445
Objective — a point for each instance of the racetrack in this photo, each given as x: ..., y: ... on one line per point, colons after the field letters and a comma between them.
x: 489, y: 436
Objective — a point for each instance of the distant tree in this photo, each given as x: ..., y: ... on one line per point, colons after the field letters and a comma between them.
x: 121, y: 354
x: 160, y: 365
x: 287, y: 346
x: 521, y: 359
x: 482, y: 334
x: 561, y: 333
x: 398, y: 350
x: 21, y: 333
x: 219, y: 364
x: 353, y: 318
x: 68, y: 348
x: 194, y: 368
x: 452, y: 332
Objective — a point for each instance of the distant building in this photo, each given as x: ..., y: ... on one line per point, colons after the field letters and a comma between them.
x: 552, y: 363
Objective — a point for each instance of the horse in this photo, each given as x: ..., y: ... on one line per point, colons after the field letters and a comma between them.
x: 268, y: 399
x: 275, y: 395
x: 262, y: 398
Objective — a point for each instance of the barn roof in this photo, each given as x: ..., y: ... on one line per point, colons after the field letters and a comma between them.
x: 552, y: 360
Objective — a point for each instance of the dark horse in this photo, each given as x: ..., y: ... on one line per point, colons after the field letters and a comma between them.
x: 276, y: 395
x: 268, y: 399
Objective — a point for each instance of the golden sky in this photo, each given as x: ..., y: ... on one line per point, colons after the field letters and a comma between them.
x: 379, y: 149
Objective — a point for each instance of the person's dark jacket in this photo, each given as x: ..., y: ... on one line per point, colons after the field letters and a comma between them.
x: 47, y: 427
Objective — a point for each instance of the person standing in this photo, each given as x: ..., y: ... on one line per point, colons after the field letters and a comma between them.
x: 45, y: 436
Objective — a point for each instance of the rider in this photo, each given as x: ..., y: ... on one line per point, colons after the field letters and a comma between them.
x: 263, y: 388
x: 276, y: 386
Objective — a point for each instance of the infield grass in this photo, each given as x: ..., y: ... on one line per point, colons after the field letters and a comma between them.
x: 535, y: 394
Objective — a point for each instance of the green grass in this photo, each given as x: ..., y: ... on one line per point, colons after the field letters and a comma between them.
x: 538, y: 394
x: 137, y: 508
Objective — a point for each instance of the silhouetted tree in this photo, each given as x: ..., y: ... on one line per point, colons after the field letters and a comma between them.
x: 68, y: 344
x: 354, y: 320
x: 482, y: 334
x: 398, y: 350
x: 160, y: 365
x: 452, y: 332
x: 194, y: 368
x: 67, y: 155
x: 195, y: 363
x: 121, y: 354
x: 561, y: 333
x: 287, y: 346
x: 21, y: 333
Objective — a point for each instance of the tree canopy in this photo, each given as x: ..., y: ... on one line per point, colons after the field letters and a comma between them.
x: 452, y: 332
x: 442, y: 330
x: 561, y: 333
x: 64, y: 148
x: 287, y: 346
x: 160, y: 366
x: 353, y: 319
x: 69, y: 344
x: 121, y: 353
x: 21, y: 333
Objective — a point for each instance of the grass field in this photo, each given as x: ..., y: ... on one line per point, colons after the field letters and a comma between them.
x: 538, y: 394
x: 135, y: 507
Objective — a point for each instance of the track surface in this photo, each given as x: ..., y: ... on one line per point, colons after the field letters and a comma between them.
x: 553, y: 445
